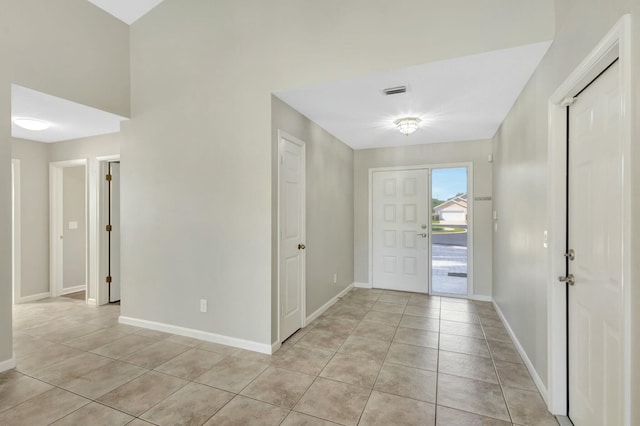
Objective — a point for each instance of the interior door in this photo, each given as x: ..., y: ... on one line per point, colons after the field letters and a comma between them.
x: 114, y: 233
x: 291, y: 217
x: 595, y: 235
x: 401, y: 220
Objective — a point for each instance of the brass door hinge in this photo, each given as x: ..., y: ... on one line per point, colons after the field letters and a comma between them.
x: 109, y: 177
x: 109, y: 279
x: 109, y: 228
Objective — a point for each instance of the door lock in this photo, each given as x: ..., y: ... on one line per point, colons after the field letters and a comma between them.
x: 301, y: 246
x: 569, y: 279
x: 571, y: 255
x: 423, y: 235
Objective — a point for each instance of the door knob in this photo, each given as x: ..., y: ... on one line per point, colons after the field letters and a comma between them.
x: 571, y: 255
x: 570, y: 279
x: 301, y: 246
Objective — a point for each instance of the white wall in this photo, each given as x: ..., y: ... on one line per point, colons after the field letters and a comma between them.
x: 475, y: 152
x: 197, y: 202
x: 521, y: 184
x: 329, y: 209
x: 74, y: 202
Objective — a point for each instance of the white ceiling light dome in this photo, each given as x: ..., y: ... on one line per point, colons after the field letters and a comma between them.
x: 31, y: 123
x: 407, y: 125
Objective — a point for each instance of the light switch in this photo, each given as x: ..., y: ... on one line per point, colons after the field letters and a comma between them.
x: 73, y: 225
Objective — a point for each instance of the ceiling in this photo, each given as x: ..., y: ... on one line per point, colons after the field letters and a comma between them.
x: 465, y: 98
x: 69, y: 120
x: 128, y: 11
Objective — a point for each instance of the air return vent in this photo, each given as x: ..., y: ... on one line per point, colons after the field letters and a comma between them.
x: 394, y: 90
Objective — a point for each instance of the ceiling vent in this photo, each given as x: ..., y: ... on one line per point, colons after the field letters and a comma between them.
x: 395, y: 90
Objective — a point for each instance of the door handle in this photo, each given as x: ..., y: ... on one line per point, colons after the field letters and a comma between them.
x: 423, y: 235
x: 301, y: 246
x: 570, y: 279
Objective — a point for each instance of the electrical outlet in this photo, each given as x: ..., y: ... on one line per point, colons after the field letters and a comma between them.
x: 203, y: 305
x: 335, y: 278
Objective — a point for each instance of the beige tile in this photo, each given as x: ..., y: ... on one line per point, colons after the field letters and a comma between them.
x: 496, y: 333
x: 472, y: 367
x: 504, y: 351
x: 363, y: 347
x: 124, y: 346
x: 393, y: 308
x: 472, y: 395
x: 335, y: 325
x: 461, y: 329
x: 193, y: 405
x: 248, y: 412
x: 407, y: 382
x: 14, y: 392
x: 279, y: 387
x: 357, y: 303
x: 232, y: 374
x: 424, y: 301
x: 422, y: 311
x: 412, y: 336
x: 253, y: 356
x: 334, y: 401
x: 413, y: 356
x: 303, y: 359
x: 386, y: 409
x: 383, y: 317
x: 514, y: 375
x: 450, y: 417
x: 489, y: 321
x: 348, y: 312
x: 43, y: 409
x: 528, y: 408
x: 142, y: 393
x: 40, y: 360
x: 457, y: 306
x: 95, y: 414
x: 139, y: 422
x: 73, y: 368
x: 94, y: 340
x: 23, y: 344
x: 69, y: 332
x: 217, y: 348
x: 183, y: 340
x: 374, y: 330
x: 191, y: 364
x: 421, y: 323
x: 9, y: 376
x: 154, y: 334
x: 104, y: 379
x: 398, y: 299
x: 465, y: 345
x: 356, y: 371
x: 468, y: 317
x: 299, y: 419
x: 156, y: 354
x: 323, y: 339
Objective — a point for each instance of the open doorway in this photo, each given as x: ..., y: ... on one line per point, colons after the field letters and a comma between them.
x: 16, y: 246
x: 69, y: 228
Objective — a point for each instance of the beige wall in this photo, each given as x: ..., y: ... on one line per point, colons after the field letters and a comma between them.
x: 75, y: 240
x: 329, y: 209
x: 521, y: 185
x: 475, y: 152
x: 200, y: 145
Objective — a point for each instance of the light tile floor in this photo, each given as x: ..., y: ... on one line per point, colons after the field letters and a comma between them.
x: 374, y: 358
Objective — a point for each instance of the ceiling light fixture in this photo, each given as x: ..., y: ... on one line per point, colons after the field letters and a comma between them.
x: 407, y: 125
x: 31, y: 124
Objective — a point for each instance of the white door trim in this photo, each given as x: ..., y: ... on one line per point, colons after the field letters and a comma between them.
x: 469, y: 166
x: 16, y: 242
x: 55, y: 223
x: 303, y: 293
x: 615, y: 44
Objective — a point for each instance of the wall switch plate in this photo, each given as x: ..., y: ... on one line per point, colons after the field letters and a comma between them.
x: 203, y: 305
x: 545, y: 243
x: 335, y: 278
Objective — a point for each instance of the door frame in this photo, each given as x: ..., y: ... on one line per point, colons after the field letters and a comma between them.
x: 101, y: 241
x: 56, y: 227
x: 16, y: 242
x: 282, y: 135
x: 470, y: 200
x: 615, y: 44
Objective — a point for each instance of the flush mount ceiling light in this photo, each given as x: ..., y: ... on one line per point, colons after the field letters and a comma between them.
x: 407, y: 125
x: 31, y: 124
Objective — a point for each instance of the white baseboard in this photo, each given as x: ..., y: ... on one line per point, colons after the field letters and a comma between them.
x: 33, y: 298
x: 534, y: 374
x: 362, y: 285
x: 275, y: 346
x: 198, y: 334
x: 481, y: 298
x: 327, y: 305
x: 74, y: 289
x: 8, y: 364
x: 92, y: 302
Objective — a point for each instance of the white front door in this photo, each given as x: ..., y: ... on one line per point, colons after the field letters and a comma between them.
x: 291, y: 217
x: 114, y: 235
x: 400, y: 230
x: 595, y: 234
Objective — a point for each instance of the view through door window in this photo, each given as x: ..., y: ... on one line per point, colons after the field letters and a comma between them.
x: 449, y: 231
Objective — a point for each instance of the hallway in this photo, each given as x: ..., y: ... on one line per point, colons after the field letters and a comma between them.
x: 376, y: 357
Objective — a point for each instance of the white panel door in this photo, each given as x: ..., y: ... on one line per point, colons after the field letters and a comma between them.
x: 114, y: 242
x: 595, y: 234
x: 400, y: 230
x: 292, y: 201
